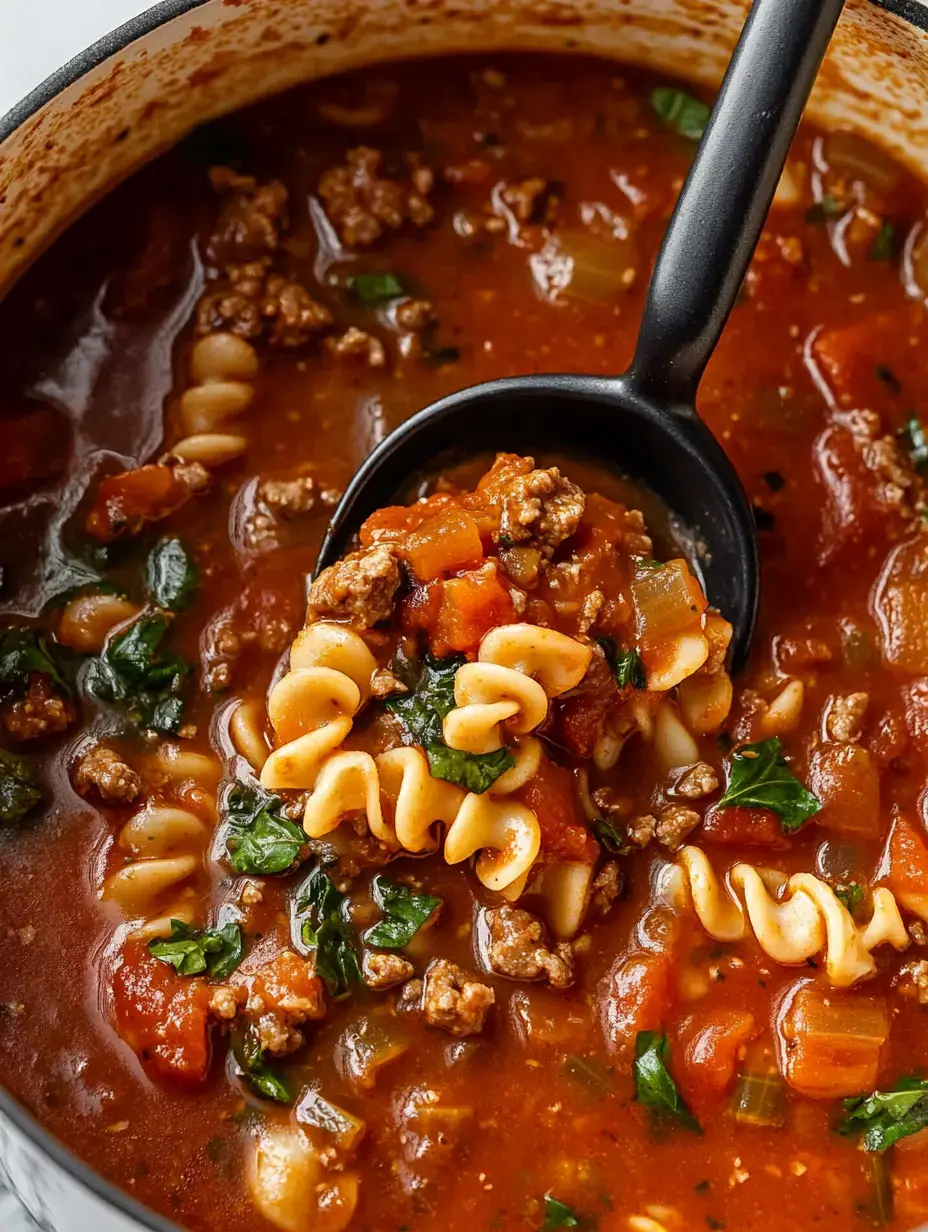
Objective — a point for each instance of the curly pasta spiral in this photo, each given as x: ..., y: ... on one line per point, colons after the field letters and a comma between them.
x: 556, y: 661
x: 311, y: 708
x: 414, y: 799
x: 168, y: 843
x: 792, y: 918
x: 488, y: 697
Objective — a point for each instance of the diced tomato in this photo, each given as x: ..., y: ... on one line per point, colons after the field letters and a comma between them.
x: 709, y: 1046
x: 847, y: 782
x: 580, y: 723
x: 872, y: 363
x: 393, y: 524
x: 904, y: 864
x: 634, y: 997
x: 446, y: 543
x: 162, y: 1016
x: 832, y: 1040
x: 125, y: 502
x: 288, y: 980
x: 855, y: 509
x: 455, y: 614
x: 551, y: 797
x: 750, y: 827
x: 35, y: 446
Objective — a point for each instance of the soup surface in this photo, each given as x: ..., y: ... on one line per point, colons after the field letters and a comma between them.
x: 463, y: 888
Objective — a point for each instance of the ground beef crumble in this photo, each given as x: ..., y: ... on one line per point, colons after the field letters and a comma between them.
x: 844, y: 717
x: 386, y: 970
x: 361, y: 203
x: 694, y: 782
x: 356, y: 343
x: 359, y: 587
x: 102, y: 771
x: 250, y: 302
x: 454, y: 999
x: 518, y: 947
x: 275, y: 1000
x: 251, y: 219
x: 40, y: 713
x: 537, y: 506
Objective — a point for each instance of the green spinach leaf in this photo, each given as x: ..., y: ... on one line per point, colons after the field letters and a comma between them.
x: 760, y: 778
x: 217, y: 951
x: 680, y: 111
x: 19, y: 792
x: 916, y: 440
x: 828, y: 207
x: 131, y: 671
x: 170, y: 575
x: 851, y: 894
x: 376, y: 287
x: 886, y: 1116
x: 259, y: 839
x: 611, y: 836
x: 627, y: 665
x: 883, y: 247
x: 250, y: 1058
x: 322, y: 913
x: 404, y: 913
x: 23, y: 651
x: 558, y: 1215
x: 430, y: 699
x: 654, y: 1086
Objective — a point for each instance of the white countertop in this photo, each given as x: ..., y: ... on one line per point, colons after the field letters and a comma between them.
x: 40, y: 36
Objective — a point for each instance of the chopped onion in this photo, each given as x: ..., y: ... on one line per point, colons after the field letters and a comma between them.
x: 759, y: 1098
x: 329, y: 1123
x: 668, y: 600
x: 792, y: 186
x: 575, y: 263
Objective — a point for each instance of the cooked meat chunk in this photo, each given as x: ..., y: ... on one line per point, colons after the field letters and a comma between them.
x: 355, y: 343
x: 694, y: 782
x: 844, y: 717
x: 518, y: 947
x: 384, y: 683
x: 259, y: 617
x: 414, y: 314
x: 252, y: 217
x: 226, y: 1002
x: 642, y: 829
x: 537, y: 506
x: 912, y: 980
x: 526, y: 198
x: 102, y: 771
x: 361, y: 203
x: 674, y: 823
x: 281, y: 996
x: 454, y: 999
x: 251, y: 302
x: 589, y: 612
x: 289, y: 497
x: 40, y: 713
x: 606, y: 888
x: 360, y: 587
x: 386, y: 970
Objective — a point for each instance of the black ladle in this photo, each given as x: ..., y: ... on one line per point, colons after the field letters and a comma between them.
x: 644, y: 423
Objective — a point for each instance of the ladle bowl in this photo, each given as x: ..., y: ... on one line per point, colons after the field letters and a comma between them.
x: 644, y: 424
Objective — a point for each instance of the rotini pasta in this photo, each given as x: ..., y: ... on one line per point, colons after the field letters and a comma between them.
x: 792, y: 918
x: 222, y: 368
x: 414, y: 800
x: 490, y: 699
x: 347, y: 784
x: 556, y: 661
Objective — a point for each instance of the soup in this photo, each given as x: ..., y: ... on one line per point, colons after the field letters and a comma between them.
x: 462, y: 887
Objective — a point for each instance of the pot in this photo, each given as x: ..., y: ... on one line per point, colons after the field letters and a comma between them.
x: 144, y: 86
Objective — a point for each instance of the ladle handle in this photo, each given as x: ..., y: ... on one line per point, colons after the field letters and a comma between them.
x: 722, y: 206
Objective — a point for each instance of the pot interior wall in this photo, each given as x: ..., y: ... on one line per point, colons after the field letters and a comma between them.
x: 218, y: 56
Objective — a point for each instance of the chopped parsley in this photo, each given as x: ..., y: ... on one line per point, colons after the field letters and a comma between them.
x: 19, y: 792
x: 681, y: 112
x: 376, y: 287
x: 131, y: 671
x: 883, y: 247
x: 558, y: 1215
x: 654, y: 1087
x: 429, y: 700
x: 262, y: 1080
x: 610, y: 836
x: 828, y: 207
x: 326, y: 930
x: 852, y: 895
x: 886, y: 1116
x: 627, y: 665
x: 404, y: 913
x: 171, y: 577
x: 259, y: 839
x: 916, y: 442
x: 758, y: 777
x: 217, y: 951
x: 22, y: 652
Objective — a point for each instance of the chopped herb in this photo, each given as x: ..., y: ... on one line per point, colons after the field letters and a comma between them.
x: 217, y: 951
x: 686, y: 115
x: 883, y: 247
x: 611, y: 836
x: 558, y: 1215
x: 170, y: 575
x: 377, y: 287
x: 627, y: 664
x: 886, y: 1116
x: 19, y: 792
x: 506, y: 541
x: 131, y: 670
x: 774, y: 481
x: 654, y: 1086
x: 441, y: 355
x: 259, y: 838
x: 760, y: 778
x: 22, y: 652
x: 404, y: 913
x: 250, y: 1058
x: 431, y: 698
x: 917, y: 442
x: 828, y: 207
x: 325, y: 928
x: 852, y: 895
x: 889, y: 378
